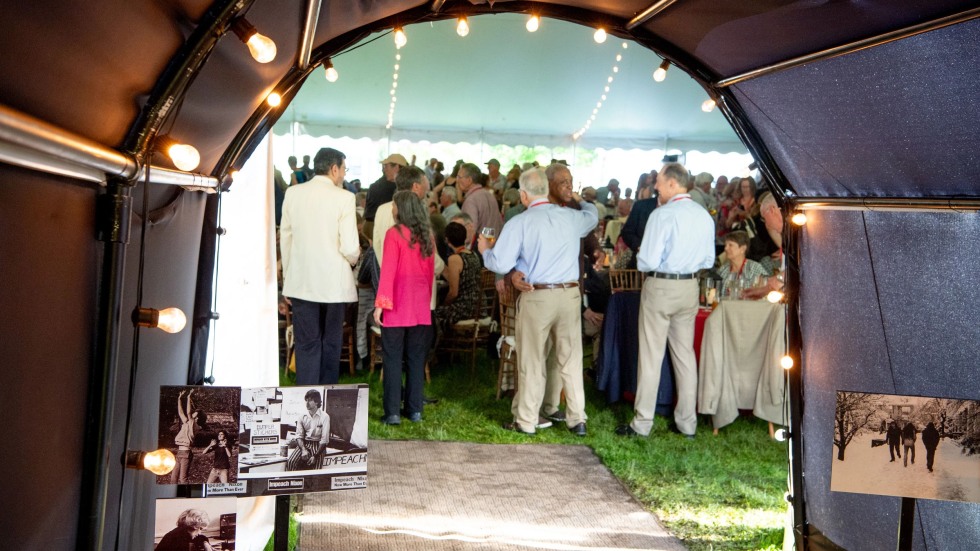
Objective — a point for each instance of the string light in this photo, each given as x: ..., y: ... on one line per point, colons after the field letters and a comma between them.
x: 708, y: 105
x: 786, y: 362
x: 331, y: 71
x: 158, y: 462
x: 171, y: 320
x: 774, y: 296
x: 533, y: 23
x: 273, y: 99
x: 262, y: 48
x: 393, y: 91
x: 599, y: 36
x: 799, y: 219
x: 400, y: 38
x: 462, y: 27
x: 183, y: 156
x: 661, y: 73
x: 605, y: 90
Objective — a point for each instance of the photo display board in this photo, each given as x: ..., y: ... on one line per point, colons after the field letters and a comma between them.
x: 200, y: 424
x: 302, y: 439
x: 907, y: 446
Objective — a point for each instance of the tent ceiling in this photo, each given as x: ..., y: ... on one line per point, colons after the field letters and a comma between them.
x: 92, y: 69
x: 506, y: 85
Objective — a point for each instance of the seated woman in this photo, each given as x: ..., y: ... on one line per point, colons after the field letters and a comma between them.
x: 463, y: 275
x: 739, y: 272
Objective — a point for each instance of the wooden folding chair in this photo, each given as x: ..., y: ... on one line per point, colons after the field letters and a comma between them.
x: 507, y: 370
x: 625, y: 280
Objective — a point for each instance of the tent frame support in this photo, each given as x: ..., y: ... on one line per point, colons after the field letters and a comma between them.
x: 649, y: 13
x: 890, y: 204
x: 851, y: 47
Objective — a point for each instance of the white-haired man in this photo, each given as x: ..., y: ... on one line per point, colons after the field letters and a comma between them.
x: 679, y: 240
x: 543, y: 243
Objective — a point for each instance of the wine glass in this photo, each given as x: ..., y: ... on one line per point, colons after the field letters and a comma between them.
x: 490, y: 234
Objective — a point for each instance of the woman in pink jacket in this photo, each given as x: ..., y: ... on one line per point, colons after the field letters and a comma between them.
x: 402, y: 305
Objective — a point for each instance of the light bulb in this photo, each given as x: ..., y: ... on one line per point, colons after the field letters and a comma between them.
x: 774, y: 296
x: 332, y: 74
x: 625, y: 45
x: 708, y: 105
x: 273, y: 99
x: 661, y: 73
x: 799, y: 219
x: 599, y: 36
x: 533, y: 23
x: 171, y: 320
x: 262, y: 47
x: 462, y: 27
x: 184, y: 157
x: 781, y: 435
x: 400, y: 38
x: 786, y: 362
x: 159, y: 462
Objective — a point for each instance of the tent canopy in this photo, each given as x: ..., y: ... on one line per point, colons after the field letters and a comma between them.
x: 843, y: 102
x: 503, y: 85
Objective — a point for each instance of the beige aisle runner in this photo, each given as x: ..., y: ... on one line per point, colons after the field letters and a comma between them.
x: 457, y: 496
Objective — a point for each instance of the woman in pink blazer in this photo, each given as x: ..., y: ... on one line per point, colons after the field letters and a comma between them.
x: 402, y: 305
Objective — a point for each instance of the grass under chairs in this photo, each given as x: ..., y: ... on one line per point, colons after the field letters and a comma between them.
x: 720, y: 492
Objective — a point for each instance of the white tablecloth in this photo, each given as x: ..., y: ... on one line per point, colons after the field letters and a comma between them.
x: 739, y: 368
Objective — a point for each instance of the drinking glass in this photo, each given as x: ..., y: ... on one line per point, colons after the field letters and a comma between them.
x: 489, y: 234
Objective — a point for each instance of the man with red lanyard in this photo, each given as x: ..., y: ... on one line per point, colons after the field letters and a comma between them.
x: 677, y: 242
x: 543, y: 244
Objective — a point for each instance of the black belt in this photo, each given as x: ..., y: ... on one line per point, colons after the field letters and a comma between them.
x: 661, y: 275
x: 570, y: 285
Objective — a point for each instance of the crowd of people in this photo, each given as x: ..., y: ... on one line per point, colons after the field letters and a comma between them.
x: 386, y: 249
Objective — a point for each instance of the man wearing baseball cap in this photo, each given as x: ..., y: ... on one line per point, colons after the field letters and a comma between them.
x: 382, y: 190
x: 498, y: 182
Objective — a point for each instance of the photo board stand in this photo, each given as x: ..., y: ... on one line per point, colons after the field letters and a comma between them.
x: 281, y: 524
x: 906, y: 524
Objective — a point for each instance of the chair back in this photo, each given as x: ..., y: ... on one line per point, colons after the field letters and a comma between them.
x: 625, y: 280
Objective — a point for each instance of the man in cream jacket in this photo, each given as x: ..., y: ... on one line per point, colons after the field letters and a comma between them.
x: 319, y: 245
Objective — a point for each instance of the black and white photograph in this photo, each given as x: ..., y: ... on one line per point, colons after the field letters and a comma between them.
x: 303, y: 439
x: 195, y: 524
x: 200, y: 426
x: 908, y: 446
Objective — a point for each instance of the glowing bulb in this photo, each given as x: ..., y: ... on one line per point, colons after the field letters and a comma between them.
x: 273, y: 99
x: 781, y: 435
x: 171, y: 320
x: 619, y: 57
x: 184, y: 157
x: 331, y: 72
x: 159, y: 462
x: 799, y: 219
x: 615, y: 69
x: 533, y: 23
x: 708, y: 105
x: 400, y: 38
x: 625, y: 45
x: 774, y: 296
x: 262, y: 47
x: 786, y: 362
x: 462, y: 27
x: 661, y: 73
x: 599, y: 36
x: 603, y: 97
x: 609, y: 80
x: 606, y: 89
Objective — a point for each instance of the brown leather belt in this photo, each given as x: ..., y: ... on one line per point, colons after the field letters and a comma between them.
x: 570, y: 285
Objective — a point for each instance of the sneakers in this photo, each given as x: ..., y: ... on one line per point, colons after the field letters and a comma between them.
x: 392, y: 420
x: 558, y: 416
x: 543, y: 423
x: 513, y: 426
x: 415, y: 417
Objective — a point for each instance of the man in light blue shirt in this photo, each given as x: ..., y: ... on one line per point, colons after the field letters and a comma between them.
x: 677, y: 242
x: 543, y: 243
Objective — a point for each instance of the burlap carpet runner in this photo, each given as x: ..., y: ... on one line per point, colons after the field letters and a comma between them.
x: 458, y: 496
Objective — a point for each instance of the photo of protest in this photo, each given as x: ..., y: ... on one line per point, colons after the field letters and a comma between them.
x: 200, y: 426
x: 908, y: 446
x: 195, y: 524
x: 303, y: 438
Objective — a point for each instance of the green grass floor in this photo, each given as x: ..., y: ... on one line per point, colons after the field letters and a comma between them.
x: 720, y: 492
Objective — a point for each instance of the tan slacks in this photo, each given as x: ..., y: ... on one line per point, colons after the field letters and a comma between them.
x: 668, y: 309
x: 544, y: 313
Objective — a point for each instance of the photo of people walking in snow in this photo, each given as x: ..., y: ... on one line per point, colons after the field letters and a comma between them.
x: 909, y: 446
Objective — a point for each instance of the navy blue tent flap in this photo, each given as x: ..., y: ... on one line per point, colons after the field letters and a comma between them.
x: 889, y: 306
